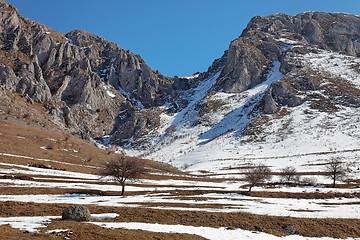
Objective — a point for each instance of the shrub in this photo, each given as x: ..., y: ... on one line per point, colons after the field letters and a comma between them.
x: 256, y: 174
x: 289, y: 175
x: 336, y: 170
x: 122, y: 169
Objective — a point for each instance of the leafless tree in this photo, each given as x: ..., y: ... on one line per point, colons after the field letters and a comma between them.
x: 122, y: 169
x: 336, y: 170
x: 289, y: 174
x: 256, y: 174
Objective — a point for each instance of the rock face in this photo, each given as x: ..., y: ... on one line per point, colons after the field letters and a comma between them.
x: 87, y: 80
x: 250, y: 54
x: 77, y: 213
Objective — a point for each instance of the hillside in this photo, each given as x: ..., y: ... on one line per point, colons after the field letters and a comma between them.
x: 287, y: 88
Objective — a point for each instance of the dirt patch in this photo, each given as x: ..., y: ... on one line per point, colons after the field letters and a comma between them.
x: 88, y: 231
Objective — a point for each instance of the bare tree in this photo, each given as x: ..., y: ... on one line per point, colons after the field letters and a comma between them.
x: 256, y: 174
x: 122, y: 169
x: 288, y: 174
x: 336, y: 170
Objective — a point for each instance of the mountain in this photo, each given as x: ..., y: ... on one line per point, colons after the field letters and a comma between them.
x: 287, y: 88
x: 286, y: 92
x: 84, y: 81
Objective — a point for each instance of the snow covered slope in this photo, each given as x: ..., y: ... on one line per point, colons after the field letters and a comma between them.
x: 189, y: 133
x: 219, y: 132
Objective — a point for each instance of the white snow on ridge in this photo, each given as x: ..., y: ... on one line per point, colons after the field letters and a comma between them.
x: 337, y: 65
x: 110, y: 94
x: 134, y: 101
x: 179, y: 122
x: 198, y: 94
x: 192, y: 76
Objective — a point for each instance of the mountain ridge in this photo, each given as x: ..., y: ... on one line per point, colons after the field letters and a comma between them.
x: 227, y: 124
x: 77, y: 68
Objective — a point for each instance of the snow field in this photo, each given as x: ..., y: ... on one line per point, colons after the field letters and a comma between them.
x: 156, y: 193
x: 304, y: 138
x: 304, y: 208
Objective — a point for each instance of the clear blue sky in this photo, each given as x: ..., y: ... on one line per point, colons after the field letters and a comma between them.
x: 176, y: 37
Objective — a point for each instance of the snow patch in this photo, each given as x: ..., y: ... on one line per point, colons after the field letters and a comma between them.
x: 102, y: 216
x: 30, y: 224
x: 134, y: 101
x: 206, y: 232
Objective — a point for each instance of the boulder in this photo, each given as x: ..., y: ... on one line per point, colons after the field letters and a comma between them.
x: 269, y: 105
x: 288, y: 228
x: 77, y: 213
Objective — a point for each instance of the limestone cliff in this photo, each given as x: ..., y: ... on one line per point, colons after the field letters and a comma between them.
x: 86, y: 80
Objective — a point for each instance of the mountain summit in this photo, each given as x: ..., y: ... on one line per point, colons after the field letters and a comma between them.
x: 287, y: 87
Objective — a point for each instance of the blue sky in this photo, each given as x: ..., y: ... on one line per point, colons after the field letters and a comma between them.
x: 174, y: 37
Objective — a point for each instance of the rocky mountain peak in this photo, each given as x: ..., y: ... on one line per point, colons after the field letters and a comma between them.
x: 331, y: 31
x: 260, y: 43
x: 87, y: 79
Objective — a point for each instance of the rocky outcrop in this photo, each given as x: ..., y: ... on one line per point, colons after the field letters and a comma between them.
x: 8, y: 78
x: 270, y: 106
x: 284, y: 94
x: 249, y: 56
x: 119, y: 68
x: 332, y: 31
x: 247, y: 63
x: 138, y: 125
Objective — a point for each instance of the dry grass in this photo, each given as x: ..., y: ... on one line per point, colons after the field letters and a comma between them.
x: 85, y: 231
x: 63, y: 149
x: 337, y: 228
